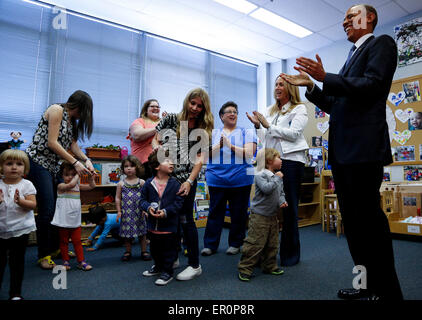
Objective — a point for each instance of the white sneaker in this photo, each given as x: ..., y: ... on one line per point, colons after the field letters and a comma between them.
x: 189, y: 273
x: 151, y: 272
x: 232, y: 250
x: 164, y: 279
x: 206, y: 252
x: 176, y: 264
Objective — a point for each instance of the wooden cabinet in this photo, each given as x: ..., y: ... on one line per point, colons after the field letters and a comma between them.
x: 101, y: 194
x: 309, y: 211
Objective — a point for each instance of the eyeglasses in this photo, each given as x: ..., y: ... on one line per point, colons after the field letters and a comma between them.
x: 230, y: 112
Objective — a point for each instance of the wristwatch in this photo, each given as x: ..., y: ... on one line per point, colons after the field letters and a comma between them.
x: 190, y: 182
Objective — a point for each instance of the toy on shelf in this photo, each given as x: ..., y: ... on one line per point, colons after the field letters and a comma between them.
x: 16, y: 142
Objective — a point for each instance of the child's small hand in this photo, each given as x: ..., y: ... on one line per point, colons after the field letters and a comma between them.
x: 119, y: 214
x: 90, y: 249
x: 283, y: 205
x: 17, y: 197
x: 88, y: 242
x: 160, y: 214
x: 279, y: 173
x: 151, y: 211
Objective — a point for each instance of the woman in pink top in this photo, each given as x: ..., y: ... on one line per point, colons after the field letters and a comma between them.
x: 142, y: 131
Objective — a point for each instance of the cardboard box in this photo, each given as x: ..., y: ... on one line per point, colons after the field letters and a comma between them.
x: 410, y: 203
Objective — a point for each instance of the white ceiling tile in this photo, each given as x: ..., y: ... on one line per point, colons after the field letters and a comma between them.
x: 261, y: 28
x: 249, y: 39
x: 286, y: 52
x: 334, y: 32
x: 202, y: 23
x: 211, y: 8
x: 176, y: 14
x: 309, y: 43
x: 410, y: 6
x: 260, y: 2
x: 344, y: 5
x: 390, y: 12
x: 313, y: 15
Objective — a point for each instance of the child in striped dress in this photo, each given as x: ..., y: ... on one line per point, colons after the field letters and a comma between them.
x: 68, y: 214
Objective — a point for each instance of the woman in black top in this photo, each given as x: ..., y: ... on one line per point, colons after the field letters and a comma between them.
x: 179, y: 135
x: 59, y: 129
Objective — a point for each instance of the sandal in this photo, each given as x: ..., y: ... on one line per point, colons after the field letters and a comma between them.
x: 84, y: 266
x: 66, y: 264
x: 126, y: 256
x: 46, y: 263
x: 146, y: 256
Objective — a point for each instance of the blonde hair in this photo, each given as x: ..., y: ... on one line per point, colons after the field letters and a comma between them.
x: 206, y: 120
x: 294, y: 97
x: 13, y: 154
x: 264, y: 155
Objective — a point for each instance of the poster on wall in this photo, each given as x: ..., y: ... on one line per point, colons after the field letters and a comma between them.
x: 403, y: 153
x: 409, y: 41
x: 412, y: 92
x: 412, y: 173
x: 319, y: 113
x: 415, y: 121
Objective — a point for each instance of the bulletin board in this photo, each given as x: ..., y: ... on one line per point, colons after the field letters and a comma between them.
x: 404, y: 117
x: 316, y: 130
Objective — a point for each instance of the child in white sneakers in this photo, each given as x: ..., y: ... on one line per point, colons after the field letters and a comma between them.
x: 160, y: 200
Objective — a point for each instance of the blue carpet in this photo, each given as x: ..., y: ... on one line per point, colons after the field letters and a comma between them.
x: 325, y: 267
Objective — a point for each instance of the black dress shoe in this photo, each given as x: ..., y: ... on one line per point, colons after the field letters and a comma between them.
x: 371, y: 297
x: 353, y: 294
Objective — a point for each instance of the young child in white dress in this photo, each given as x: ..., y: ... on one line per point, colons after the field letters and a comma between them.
x: 68, y: 214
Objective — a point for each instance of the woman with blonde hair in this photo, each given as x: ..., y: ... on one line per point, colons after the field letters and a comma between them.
x: 283, y: 126
x: 178, y: 133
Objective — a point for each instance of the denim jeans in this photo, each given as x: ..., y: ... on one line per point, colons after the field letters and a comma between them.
x: 238, y: 206
x: 46, y: 186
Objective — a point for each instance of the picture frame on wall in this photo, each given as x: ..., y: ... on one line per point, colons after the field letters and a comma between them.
x: 403, y: 153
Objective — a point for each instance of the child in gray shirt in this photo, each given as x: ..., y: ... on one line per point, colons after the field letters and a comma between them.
x: 262, y: 242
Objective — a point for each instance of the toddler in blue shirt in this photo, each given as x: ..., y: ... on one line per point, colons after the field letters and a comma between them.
x: 106, y: 223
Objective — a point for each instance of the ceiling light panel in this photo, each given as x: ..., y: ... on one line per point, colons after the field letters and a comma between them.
x: 280, y: 23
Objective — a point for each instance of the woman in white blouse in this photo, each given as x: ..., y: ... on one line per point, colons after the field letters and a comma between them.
x: 282, y: 128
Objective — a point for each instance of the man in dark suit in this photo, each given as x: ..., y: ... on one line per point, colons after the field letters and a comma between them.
x: 359, y: 146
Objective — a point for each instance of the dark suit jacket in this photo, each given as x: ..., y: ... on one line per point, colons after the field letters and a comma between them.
x: 356, y: 101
